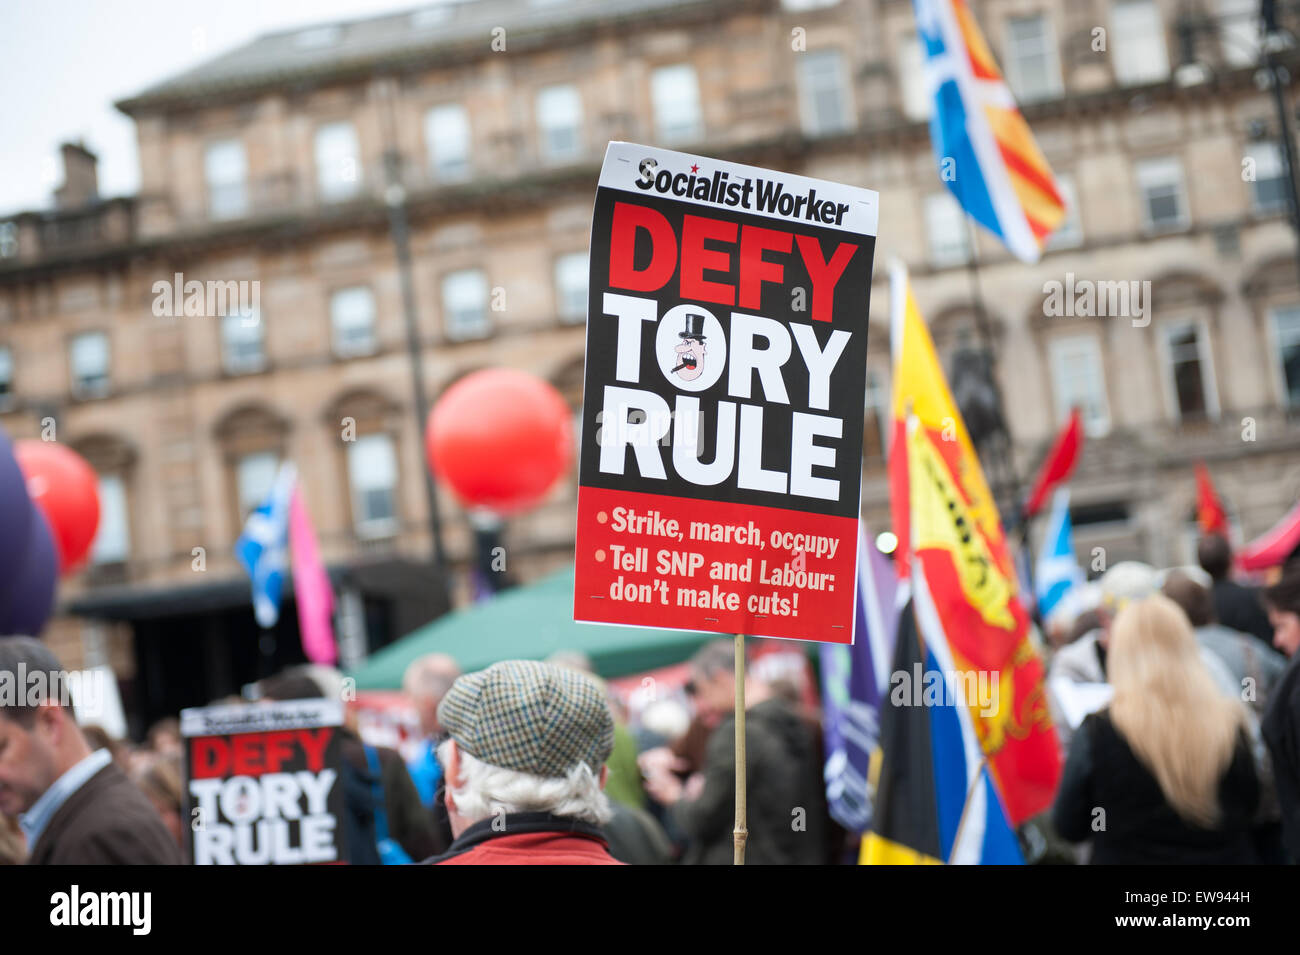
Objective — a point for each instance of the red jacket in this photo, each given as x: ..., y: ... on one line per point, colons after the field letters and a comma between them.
x: 528, y: 838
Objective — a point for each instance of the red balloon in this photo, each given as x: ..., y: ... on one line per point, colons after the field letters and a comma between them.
x: 500, y: 438
x: 64, y: 487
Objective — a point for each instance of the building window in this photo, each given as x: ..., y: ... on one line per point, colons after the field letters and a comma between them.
x: 255, y: 476
x: 112, y: 539
x: 1164, y: 204
x: 314, y: 38
x: 1138, y: 50
x: 372, y: 474
x: 1239, y: 31
x: 559, y: 119
x: 8, y: 240
x: 225, y: 170
x: 675, y: 96
x: 241, y: 342
x: 6, y: 376
x: 824, y: 93
x: 876, y: 418
x: 1189, y: 377
x: 917, y: 101
x: 352, y: 320
x: 947, y: 234
x: 446, y: 134
x: 1078, y: 381
x: 1286, y: 339
x: 1268, y: 188
x: 571, y: 287
x: 1070, y: 232
x: 88, y: 356
x: 338, y: 161
x: 464, y: 304
x: 1033, y: 70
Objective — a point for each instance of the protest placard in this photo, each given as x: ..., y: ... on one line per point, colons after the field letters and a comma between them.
x: 721, y: 442
x: 262, y: 783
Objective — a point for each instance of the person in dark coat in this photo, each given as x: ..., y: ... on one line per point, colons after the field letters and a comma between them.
x: 1236, y: 607
x: 786, y: 800
x: 409, y: 824
x: 75, y: 806
x: 1281, y: 723
x: 1165, y: 773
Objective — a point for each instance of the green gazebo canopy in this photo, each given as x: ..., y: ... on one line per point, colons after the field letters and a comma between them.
x: 530, y: 623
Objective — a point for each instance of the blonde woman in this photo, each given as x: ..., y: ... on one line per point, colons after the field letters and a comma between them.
x: 1164, y: 774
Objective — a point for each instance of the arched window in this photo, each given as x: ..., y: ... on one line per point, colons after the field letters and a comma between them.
x: 113, y: 459
x: 253, y: 441
x: 368, y: 424
x: 1186, y: 325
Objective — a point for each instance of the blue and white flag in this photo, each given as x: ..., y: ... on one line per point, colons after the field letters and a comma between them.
x: 1058, y: 571
x: 263, y: 548
x: 854, y: 679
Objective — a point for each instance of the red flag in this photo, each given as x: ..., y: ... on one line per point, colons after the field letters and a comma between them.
x: 1209, y: 511
x: 1059, y: 464
x: 1272, y: 548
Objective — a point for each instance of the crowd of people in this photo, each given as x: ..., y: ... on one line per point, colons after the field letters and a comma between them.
x: 521, y: 762
x: 1195, y: 756
x: 1189, y: 752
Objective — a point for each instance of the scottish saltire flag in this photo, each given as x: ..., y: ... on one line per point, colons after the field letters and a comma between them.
x: 263, y: 547
x: 986, y: 153
x: 948, y: 526
x: 854, y: 678
x: 1058, y: 570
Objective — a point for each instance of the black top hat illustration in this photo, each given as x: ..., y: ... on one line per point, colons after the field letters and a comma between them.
x: 694, y: 327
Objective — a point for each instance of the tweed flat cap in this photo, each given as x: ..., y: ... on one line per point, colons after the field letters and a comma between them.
x: 530, y: 717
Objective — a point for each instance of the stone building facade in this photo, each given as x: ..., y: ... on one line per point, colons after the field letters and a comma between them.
x: 268, y: 172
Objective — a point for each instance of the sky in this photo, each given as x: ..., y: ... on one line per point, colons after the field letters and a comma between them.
x: 63, y: 63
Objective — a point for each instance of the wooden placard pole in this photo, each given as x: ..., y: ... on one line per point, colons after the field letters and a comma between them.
x: 740, y: 834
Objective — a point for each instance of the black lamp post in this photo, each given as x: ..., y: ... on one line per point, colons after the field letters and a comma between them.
x: 399, y: 231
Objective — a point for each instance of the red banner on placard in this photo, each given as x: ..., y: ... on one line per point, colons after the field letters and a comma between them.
x: 657, y: 561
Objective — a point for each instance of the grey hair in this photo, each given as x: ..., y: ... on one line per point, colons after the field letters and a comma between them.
x: 21, y: 659
x: 486, y: 790
x: 715, y: 657
x: 430, y: 676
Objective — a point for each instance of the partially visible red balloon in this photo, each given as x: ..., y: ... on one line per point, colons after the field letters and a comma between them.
x: 500, y: 438
x: 64, y: 487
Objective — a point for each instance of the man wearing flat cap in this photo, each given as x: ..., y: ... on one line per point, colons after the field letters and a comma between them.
x: 524, y: 764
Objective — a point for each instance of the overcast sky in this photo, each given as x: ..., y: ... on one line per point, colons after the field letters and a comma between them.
x: 64, y: 62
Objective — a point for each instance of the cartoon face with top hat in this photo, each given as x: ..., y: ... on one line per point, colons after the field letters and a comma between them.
x: 691, y: 350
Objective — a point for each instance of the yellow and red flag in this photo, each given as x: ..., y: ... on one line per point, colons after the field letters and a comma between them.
x: 950, y: 536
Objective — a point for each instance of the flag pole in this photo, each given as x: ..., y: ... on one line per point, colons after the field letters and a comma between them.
x: 1007, y: 482
x: 740, y: 834
x: 965, y: 809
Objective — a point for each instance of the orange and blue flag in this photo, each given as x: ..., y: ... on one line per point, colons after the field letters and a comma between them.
x: 986, y: 153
